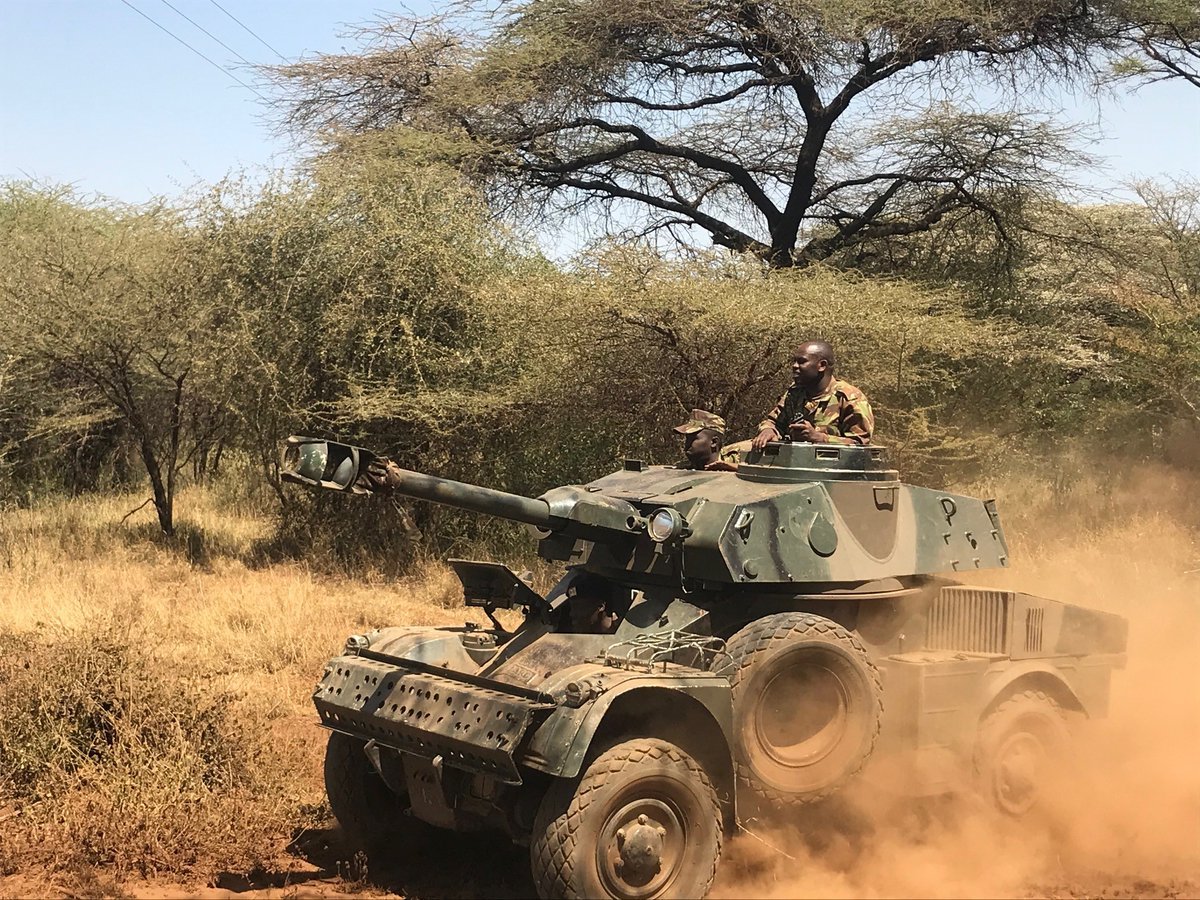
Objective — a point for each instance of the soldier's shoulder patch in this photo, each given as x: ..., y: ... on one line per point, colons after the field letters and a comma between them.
x: 847, y: 390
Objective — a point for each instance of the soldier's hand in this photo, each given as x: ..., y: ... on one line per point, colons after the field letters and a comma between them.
x: 764, y: 437
x: 374, y: 477
x: 806, y: 431
x: 721, y: 465
x: 381, y: 475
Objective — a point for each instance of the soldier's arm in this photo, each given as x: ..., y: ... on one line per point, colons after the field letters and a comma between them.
x: 772, y: 419
x: 842, y: 439
x: 722, y: 465
x: 769, y: 428
x: 857, y: 423
x: 730, y: 457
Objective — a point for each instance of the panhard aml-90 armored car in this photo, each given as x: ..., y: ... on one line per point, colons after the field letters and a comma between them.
x: 721, y: 647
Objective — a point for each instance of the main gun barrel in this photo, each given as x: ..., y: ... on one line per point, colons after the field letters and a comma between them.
x: 342, y: 467
x: 470, y: 496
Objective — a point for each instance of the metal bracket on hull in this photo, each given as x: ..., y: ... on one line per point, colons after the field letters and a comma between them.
x: 469, y: 727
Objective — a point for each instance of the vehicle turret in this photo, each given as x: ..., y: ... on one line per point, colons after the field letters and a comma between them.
x: 795, y: 514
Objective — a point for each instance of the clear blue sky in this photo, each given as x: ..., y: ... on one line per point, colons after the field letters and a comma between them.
x: 97, y: 96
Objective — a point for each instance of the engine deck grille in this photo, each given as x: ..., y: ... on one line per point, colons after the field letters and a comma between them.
x: 1034, y: 618
x: 971, y: 619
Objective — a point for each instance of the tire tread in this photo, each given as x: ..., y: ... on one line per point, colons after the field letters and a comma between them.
x: 554, y: 848
x: 364, y: 824
x: 780, y: 628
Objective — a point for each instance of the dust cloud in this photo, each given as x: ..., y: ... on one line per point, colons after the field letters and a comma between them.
x: 1123, y: 821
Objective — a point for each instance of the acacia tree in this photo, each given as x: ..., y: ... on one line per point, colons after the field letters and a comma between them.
x: 791, y: 129
x: 356, y: 289
x: 105, y: 320
x: 622, y: 348
x: 1157, y: 258
x: 1165, y: 45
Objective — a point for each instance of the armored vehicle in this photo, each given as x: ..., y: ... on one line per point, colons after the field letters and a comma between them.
x: 721, y: 647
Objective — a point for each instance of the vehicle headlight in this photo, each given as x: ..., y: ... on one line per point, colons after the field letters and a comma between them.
x: 665, y: 524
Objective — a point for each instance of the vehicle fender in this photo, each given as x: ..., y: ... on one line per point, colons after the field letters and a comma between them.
x: 694, y: 711
x: 1045, y: 675
x: 437, y: 646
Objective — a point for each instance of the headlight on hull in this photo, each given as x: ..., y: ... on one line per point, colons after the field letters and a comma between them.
x: 666, y: 524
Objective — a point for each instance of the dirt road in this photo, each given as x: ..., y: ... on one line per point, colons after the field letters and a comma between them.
x: 476, y: 868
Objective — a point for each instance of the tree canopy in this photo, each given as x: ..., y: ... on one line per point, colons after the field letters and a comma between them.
x: 378, y: 304
x: 1165, y: 44
x: 108, y: 323
x: 796, y: 130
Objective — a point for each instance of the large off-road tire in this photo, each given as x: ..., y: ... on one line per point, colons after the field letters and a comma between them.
x: 807, y: 704
x: 370, y: 813
x: 1021, y: 743
x: 641, y: 822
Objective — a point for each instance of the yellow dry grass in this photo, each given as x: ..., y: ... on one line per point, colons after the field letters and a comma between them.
x: 82, y: 593
x: 72, y: 566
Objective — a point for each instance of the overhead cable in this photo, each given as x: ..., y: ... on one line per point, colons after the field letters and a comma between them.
x: 209, y: 33
x: 193, y: 49
x: 248, y: 31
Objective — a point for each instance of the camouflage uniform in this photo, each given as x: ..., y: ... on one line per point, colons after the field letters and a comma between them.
x: 843, y: 413
x: 701, y: 420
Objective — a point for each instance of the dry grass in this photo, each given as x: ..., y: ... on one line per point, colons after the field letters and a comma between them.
x: 157, y: 716
x: 156, y: 694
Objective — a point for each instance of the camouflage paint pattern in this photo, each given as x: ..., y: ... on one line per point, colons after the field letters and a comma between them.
x: 795, y: 514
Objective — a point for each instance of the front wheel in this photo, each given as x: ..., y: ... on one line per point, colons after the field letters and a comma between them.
x: 641, y: 822
x: 370, y: 814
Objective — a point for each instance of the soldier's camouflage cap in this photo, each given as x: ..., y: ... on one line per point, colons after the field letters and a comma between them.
x: 701, y: 419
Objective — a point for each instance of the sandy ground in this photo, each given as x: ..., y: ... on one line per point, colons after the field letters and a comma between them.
x: 482, y: 868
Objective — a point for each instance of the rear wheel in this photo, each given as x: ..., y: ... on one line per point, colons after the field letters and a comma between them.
x: 641, y: 822
x: 807, y: 704
x: 1021, y: 742
x: 370, y: 813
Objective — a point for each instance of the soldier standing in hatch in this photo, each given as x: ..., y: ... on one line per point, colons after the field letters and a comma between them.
x: 704, y: 442
x: 818, y: 407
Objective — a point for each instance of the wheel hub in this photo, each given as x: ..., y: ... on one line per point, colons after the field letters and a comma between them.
x: 1019, y: 766
x: 641, y: 849
x: 803, y: 715
x: 641, y: 846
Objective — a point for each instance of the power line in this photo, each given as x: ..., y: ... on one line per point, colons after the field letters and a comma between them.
x: 247, y: 28
x: 209, y: 33
x: 193, y: 49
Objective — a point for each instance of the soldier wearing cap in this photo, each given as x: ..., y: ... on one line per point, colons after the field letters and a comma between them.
x: 704, y: 442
